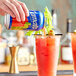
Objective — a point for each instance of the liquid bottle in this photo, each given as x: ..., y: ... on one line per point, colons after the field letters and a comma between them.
x: 23, y: 52
x: 55, y: 22
x: 66, y: 49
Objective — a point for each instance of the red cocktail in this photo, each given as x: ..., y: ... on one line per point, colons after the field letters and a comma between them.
x: 47, y: 50
x: 73, y: 39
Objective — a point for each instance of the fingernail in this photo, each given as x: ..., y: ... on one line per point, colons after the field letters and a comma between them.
x: 23, y: 19
x: 27, y: 13
x: 13, y: 16
x: 19, y: 20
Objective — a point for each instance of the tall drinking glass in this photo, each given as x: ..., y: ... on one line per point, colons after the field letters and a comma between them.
x: 47, y: 51
x: 73, y: 40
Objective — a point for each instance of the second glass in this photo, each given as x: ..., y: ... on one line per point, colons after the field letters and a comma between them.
x: 47, y: 51
x: 73, y: 40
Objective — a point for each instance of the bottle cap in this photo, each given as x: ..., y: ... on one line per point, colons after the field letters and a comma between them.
x: 69, y: 20
x: 53, y: 11
x: 69, y: 23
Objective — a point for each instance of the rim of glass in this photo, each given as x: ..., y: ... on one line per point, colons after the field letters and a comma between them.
x: 40, y: 35
x: 47, y: 35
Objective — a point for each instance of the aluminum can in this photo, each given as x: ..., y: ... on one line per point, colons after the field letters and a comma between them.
x: 35, y: 21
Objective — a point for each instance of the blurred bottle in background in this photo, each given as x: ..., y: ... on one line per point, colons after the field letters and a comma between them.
x: 55, y: 22
x: 20, y: 37
x: 24, y: 52
x: 11, y: 42
x: 3, y: 46
x: 32, y: 50
x: 7, y: 56
x: 32, y: 58
x: 4, y: 35
x: 66, y: 49
x: 12, y: 39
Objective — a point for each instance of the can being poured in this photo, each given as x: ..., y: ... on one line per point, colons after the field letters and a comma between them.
x: 35, y: 21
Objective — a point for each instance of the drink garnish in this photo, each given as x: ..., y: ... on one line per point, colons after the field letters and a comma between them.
x: 51, y: 32
x: 48, y: 25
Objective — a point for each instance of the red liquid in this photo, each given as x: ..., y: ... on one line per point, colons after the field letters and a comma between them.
x: 74, y: 50
x: 47, y: 50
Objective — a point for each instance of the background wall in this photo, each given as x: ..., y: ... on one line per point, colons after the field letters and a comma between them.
x: 65, y: 9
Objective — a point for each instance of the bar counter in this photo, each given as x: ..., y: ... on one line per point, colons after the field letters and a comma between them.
x: 28, y: 75
x: 5, y: 68
x: 34, y: 73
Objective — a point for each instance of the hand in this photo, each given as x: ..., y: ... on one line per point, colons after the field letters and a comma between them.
x: 14, y: 8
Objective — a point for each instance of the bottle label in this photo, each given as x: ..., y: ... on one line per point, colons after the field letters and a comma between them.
x: 23, y: 56
x: 67, y: 53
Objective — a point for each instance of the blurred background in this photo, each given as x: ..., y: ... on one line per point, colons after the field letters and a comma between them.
x: 64, y: 9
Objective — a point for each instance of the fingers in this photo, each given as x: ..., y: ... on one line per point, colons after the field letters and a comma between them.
x: 13, y: 9
x: 2, y: 12
x: 20, y: 10
x: 7, y: 10
x: 24, y: 8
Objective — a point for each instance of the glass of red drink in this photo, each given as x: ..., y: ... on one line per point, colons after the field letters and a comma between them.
x: 47, y: 51
x: 73, y: 40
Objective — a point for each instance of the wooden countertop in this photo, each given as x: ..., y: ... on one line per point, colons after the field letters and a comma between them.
x: 5, y: 68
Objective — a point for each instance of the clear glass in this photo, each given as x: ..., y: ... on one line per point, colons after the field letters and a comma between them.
x: 47, y: 51
x: 73, y: 40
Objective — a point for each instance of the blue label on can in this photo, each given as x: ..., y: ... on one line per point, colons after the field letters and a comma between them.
x: 35, y: 21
